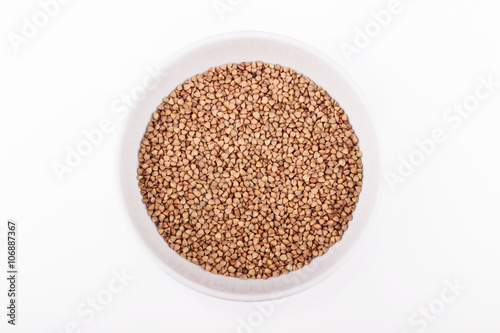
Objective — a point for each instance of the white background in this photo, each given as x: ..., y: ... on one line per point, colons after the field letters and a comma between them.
x: 441, y: 224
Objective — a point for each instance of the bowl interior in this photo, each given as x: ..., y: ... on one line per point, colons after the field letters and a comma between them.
x: 240, y: 47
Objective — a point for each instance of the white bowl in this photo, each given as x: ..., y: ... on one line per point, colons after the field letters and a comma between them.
x: 236, y: 48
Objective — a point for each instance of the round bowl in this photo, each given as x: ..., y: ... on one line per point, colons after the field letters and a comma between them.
x: 236, y: 48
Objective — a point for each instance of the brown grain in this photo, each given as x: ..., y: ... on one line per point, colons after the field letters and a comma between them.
x: 250, y: 170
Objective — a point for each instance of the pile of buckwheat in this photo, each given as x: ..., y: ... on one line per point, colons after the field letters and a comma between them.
x: 250, y: 170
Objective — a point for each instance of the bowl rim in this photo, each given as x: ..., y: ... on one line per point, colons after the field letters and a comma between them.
x: 379, y: 188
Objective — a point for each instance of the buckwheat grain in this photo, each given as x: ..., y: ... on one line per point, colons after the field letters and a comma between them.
x: 250, y: 170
